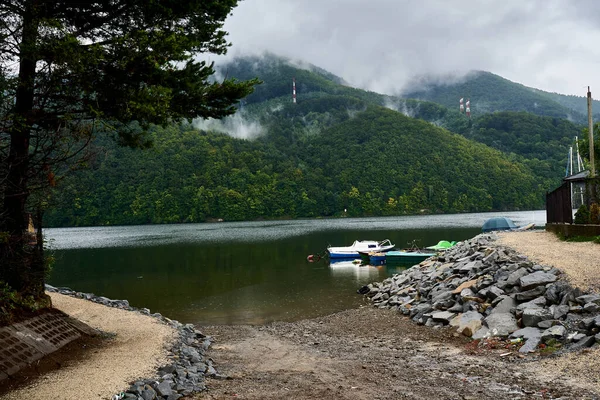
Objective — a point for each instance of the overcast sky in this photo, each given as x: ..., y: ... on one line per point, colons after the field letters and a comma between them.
x: 552, y: 45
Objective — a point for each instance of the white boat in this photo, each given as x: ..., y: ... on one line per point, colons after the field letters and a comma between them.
x: 364, y: 246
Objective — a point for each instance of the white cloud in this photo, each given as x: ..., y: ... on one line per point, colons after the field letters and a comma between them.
x: 236, y: 125
x: 380, y: 44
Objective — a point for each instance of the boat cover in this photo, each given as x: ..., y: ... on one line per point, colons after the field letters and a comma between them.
x: 442, y: 245
x: 498, y: 224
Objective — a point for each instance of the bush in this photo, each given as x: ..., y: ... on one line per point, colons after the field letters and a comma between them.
x: 582, y: 216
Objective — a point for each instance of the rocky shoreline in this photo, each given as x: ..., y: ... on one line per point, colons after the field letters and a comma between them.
x: 188, y: 363
x: 487, y: 291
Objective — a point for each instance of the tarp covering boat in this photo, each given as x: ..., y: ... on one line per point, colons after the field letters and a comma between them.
x: 498, y: 224
x: 441, y: 245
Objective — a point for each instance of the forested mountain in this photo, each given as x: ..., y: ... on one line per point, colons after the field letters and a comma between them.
x: 490, y: 93
x: 339, y: 151
x: 577, y: 103
x: 378, y: 162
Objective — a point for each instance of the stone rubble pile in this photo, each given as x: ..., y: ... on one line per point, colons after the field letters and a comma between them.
x: 188, y: 364
x: 486, y: 290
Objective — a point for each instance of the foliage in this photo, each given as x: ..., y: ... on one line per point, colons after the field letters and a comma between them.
x: 370, y: 162
x: 582, y: 216
x: 15, y: 305
x: 91, y: 67
x: 584, y: 145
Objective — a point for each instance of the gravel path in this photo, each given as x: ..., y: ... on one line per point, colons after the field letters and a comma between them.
x: 137, y: 349
x: 579, y: 261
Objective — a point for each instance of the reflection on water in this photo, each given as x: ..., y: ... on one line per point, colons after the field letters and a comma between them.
x: 245, y: 272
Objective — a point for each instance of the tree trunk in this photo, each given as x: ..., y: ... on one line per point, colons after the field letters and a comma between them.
x: 21, y: 259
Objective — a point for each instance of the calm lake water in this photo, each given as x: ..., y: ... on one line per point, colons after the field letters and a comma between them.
x: 242, y: 272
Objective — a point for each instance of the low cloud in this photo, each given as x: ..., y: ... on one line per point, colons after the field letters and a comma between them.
x: 237, y: 125
x: 382, y: 46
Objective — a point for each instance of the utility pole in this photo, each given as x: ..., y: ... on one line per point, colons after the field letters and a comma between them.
x: 591, y: 134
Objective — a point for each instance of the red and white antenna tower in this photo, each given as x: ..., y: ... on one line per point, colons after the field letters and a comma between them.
x: 462, y: 107
x: 294, y: 90
x: 468, y: 108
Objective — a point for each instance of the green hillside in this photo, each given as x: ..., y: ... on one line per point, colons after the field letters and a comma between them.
x: 576, y: 103
x: 490, y: 93
x: 339, y: 148
x: 377, y: 162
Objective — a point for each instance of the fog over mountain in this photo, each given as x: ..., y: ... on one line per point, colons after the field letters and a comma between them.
x: 380, y: 45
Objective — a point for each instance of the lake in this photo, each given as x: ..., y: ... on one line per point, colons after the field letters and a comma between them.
x: 242, y: 272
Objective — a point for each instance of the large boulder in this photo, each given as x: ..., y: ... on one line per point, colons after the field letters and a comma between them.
x: 536, y: 279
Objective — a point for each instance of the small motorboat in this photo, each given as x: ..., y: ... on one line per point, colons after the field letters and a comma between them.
x: 360, y: 247
x: 377, y: 258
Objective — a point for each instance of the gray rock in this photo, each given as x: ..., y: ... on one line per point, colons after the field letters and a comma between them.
x: 164, y: 389
x: 441, y: 295
x: 483, y: 333
x: 526, y: 333
x: 148, y: 393
x: 504, y: 306
x: 530, y: 294
x: 548, y: 323
x: 443, y: 316
x: 556, y: 332
x: 536, y: 279
x: 559, y: 311
x: 538, y: 302
x: 555, y: 292
x: 494, y: 292
x: 501, y: 324
x: 591, y: 307
x: 467, y: 323
x: 456, y: 308
x: 530, y: 345
x: 586, y: 341
x: 514, y: 277
x: 575, y: 337
x: 588, y: 298
x: 533, y: 316
x: 532, y: 336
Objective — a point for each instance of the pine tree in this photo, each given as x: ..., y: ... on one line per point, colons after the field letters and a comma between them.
x: 71, y: 69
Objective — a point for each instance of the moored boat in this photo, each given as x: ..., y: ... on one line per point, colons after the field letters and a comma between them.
x: 358, y: 247
x: 406, y: 258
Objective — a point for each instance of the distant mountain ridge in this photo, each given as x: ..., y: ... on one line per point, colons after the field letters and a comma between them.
x: 490, y: 93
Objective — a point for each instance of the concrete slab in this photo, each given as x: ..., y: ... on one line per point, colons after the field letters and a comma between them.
x: 25, y: 342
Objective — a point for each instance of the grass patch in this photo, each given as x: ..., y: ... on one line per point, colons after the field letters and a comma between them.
x: 576, y: 239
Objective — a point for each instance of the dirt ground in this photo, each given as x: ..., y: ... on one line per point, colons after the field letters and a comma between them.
x: 371, y: 353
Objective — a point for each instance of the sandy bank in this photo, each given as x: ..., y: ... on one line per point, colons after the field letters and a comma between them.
x: 138, y: 348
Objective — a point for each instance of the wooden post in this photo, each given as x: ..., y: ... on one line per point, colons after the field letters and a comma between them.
x: 591, y: 133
